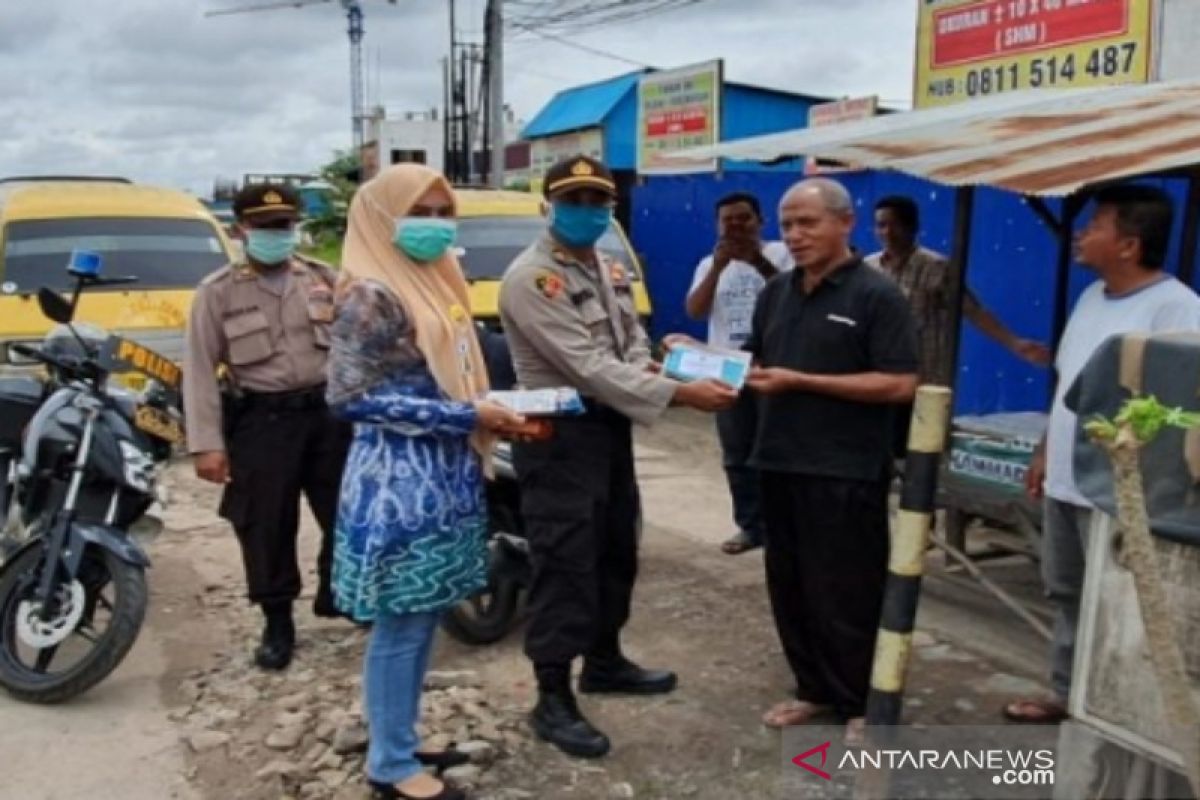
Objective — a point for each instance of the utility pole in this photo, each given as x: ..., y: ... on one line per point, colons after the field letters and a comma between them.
x: 495, y: 106
x: 354, y: 18
x: 447, y: 87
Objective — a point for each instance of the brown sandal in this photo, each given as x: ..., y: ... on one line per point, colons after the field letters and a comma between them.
x: 738, y: 543
x: 1036, y: 711
x: 792, y: 712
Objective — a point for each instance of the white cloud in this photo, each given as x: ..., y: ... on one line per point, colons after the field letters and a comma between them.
x: 155, y: 90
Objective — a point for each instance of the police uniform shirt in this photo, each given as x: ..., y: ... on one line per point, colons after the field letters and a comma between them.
x: 272, y: 333
x: 571, y: 324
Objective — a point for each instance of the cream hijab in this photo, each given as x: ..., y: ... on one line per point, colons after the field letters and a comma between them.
x: 434, y: 295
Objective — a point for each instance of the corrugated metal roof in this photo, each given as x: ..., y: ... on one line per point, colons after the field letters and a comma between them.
x: 1039, y: 142
x: 580, y: 107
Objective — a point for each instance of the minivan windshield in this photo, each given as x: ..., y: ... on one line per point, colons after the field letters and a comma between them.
x: 491, y: 243
x: 162, y: 253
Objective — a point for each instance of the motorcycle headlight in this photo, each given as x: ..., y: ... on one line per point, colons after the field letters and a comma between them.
x: 133, y: 381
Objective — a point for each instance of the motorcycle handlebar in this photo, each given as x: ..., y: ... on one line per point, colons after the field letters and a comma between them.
x: 78, y: 368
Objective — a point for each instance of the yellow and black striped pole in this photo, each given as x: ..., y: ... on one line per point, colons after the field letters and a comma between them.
x: 926, y: 440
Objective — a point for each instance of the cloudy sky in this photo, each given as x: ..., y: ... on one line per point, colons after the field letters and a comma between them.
x: 154, y: 90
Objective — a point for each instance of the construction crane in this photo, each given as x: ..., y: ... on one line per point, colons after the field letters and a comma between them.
x: 354, y: 18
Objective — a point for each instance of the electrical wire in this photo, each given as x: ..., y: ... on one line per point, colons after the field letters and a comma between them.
x: 575, y: 16
x: 596, y: 51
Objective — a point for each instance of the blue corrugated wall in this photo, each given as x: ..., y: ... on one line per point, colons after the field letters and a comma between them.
x: 747, y: 111
x: 1012, y: 263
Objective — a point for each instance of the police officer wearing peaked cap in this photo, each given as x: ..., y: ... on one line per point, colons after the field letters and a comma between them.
x: 569, y: 316
x: 265, y: 321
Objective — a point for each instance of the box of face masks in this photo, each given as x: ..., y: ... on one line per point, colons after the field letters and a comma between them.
x: 693, y: 362
x: 559, y: 402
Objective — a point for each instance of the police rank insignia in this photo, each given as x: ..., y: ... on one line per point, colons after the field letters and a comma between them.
x: 272, y: 198
x: 550, y: 285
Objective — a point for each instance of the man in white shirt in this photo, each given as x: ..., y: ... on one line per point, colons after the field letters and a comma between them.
x: 1126, y: 243
x: 724, y: 291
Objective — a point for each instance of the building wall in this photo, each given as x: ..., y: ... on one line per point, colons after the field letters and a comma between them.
x: 747, y: 112
x: 1012, y: 263
x: 417, y: 134
x: 620, y: 133
x: 754, y: 112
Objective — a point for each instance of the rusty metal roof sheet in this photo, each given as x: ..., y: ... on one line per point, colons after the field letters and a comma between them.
x: 1038, y: 142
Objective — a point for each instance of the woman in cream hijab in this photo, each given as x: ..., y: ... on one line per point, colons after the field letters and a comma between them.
x: 405, y: 367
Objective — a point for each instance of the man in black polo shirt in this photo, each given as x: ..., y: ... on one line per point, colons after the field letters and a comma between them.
x: 835, y: 344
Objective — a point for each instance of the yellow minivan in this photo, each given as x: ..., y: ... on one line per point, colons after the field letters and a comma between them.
x: 164, y: 238
x: 495, y: 226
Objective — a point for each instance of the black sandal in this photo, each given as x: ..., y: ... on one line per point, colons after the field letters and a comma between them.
x: 387, y: 791
x: 442, y: 760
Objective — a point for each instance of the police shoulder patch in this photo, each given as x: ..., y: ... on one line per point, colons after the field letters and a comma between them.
x: 550, y: 284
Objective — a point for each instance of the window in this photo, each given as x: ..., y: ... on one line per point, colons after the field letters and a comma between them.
x: 162, y: 253
x: 492, y: 243
x: 408, y: 156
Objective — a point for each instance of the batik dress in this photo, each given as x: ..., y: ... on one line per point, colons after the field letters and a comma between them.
x: 410, y: 534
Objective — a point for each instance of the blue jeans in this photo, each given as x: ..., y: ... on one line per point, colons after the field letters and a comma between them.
x: 736, y: 430
x: 393, y: 673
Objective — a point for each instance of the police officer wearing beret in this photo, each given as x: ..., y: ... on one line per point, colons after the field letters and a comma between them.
x: 569, y: 316
x: 265, y: 322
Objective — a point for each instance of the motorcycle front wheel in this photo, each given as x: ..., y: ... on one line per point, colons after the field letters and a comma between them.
x: 484, y: 617
x: 95, y: 621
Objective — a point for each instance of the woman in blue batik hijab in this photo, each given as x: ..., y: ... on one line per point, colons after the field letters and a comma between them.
x: 406, y: 369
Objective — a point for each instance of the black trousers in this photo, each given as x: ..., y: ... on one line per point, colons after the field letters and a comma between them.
x: 275, y: 457
x: 736, y: 429
x: 826, y: 559
x: 579, y: 501
x: 901, y: 422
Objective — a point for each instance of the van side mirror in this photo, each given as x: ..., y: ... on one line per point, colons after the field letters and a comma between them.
x: 55, y: 306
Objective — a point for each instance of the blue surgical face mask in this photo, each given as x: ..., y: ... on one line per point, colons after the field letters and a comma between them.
x: 268, y: 246
x: 424, y: 239
x: 579, y: 226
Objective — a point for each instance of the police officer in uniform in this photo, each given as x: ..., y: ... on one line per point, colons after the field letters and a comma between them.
x: 569, y: 316
x: 265, y: 321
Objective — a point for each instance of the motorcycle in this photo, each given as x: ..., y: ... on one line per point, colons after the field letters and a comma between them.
x: 489, y: 615
x: 82, y: 458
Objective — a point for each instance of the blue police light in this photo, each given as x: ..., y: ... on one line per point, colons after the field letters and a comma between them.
x: 84, y: 264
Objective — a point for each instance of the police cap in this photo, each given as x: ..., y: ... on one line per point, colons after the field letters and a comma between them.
x: 267, y: 202
x: 580, y: 172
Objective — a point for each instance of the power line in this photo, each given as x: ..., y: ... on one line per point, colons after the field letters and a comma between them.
x: 570, y: 16
x: 585, y: 48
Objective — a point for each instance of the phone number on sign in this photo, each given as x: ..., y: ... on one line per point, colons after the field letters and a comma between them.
x: 1061, y: 70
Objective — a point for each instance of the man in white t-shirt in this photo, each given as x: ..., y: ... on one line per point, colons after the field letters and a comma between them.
x: 1126, y: 243
x: 724, y: 291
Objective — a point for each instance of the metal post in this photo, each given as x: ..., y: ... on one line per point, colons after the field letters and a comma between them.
x: 964, y: 209
x: 906, y: 561
x: 354, y: 16
x: 452, y: 150
x: 496, y: 90
x: 1070, y: 211
x: 447, y: 168
x: 473, y: 108
x: 1191, y: 230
